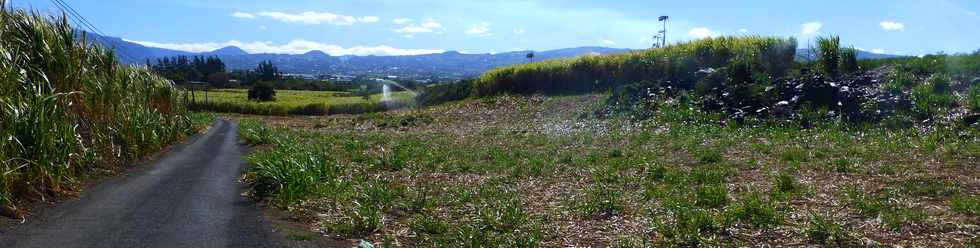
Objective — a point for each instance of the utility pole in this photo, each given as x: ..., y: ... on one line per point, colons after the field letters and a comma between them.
x: 663, y: 32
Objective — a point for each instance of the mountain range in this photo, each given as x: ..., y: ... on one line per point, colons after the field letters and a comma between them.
x: 449, y: 64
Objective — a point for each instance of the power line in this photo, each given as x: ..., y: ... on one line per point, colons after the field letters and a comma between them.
x: 88, y: 25
x: 84, y: 23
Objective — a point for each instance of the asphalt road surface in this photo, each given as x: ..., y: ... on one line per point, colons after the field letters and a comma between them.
x: 189, y: 197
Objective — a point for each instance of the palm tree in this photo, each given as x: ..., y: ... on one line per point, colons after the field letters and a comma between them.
x: 530, y: 57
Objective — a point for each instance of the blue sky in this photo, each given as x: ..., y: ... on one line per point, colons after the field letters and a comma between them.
x: 380, y: 27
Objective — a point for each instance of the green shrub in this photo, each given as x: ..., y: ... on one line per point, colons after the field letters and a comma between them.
x: 263, y: 92
x: 973, y: 97
x: 442, y: 93
x: 933, y: 97
x: 900, y: 80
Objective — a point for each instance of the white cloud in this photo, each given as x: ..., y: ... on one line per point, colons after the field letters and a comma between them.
x: 607, y: 42
x: 428, y: 26
x: 432, y: 24
x: 811, y: 28
x: 311, y: 17
x: 369, y: 19
x: 297, y: 46
x: 892, y: 26
x: 401, y: 21
x: 243, y: 15
x: 519, y: 31
x: 263, y: 27
x: 743, y: 30
x: 701, y: 32
x: 878, y: 51
x: 413, y: 29
x: 482, y: 29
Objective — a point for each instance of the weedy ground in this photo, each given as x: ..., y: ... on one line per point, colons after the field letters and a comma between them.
x: 295, y: 102
x: 295, y: 98
x: 516, y: 171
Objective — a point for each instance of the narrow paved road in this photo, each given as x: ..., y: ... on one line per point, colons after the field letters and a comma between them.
x: 190, y: 197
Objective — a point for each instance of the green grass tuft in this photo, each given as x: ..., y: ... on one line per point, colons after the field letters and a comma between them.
x: 755, y: 210
x: 966, y: 204
x: 820, y: 230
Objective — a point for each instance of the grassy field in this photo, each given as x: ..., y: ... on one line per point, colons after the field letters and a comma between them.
x: 297, y: 102
x: 516, y: 171
x: 298, y: 98
x: 716, y: 142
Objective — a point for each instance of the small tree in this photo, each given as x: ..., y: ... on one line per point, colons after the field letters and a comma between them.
x: 268, y: 72
x: 530, y: 57
x: 262, y: 92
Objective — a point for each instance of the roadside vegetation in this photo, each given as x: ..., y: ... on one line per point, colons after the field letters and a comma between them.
x: 69, y: 108
x: 675, y: 65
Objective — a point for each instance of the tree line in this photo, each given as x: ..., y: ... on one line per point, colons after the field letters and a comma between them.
x: 213, y: 71
x: 184, y: 69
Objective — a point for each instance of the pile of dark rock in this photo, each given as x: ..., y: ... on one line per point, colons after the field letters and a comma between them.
x: 859, y: 98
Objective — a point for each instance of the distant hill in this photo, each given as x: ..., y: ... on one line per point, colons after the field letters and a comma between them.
x: 130, y: 52
x: 452, y: 64
x: 228, y: 51
x: 449, y: 64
